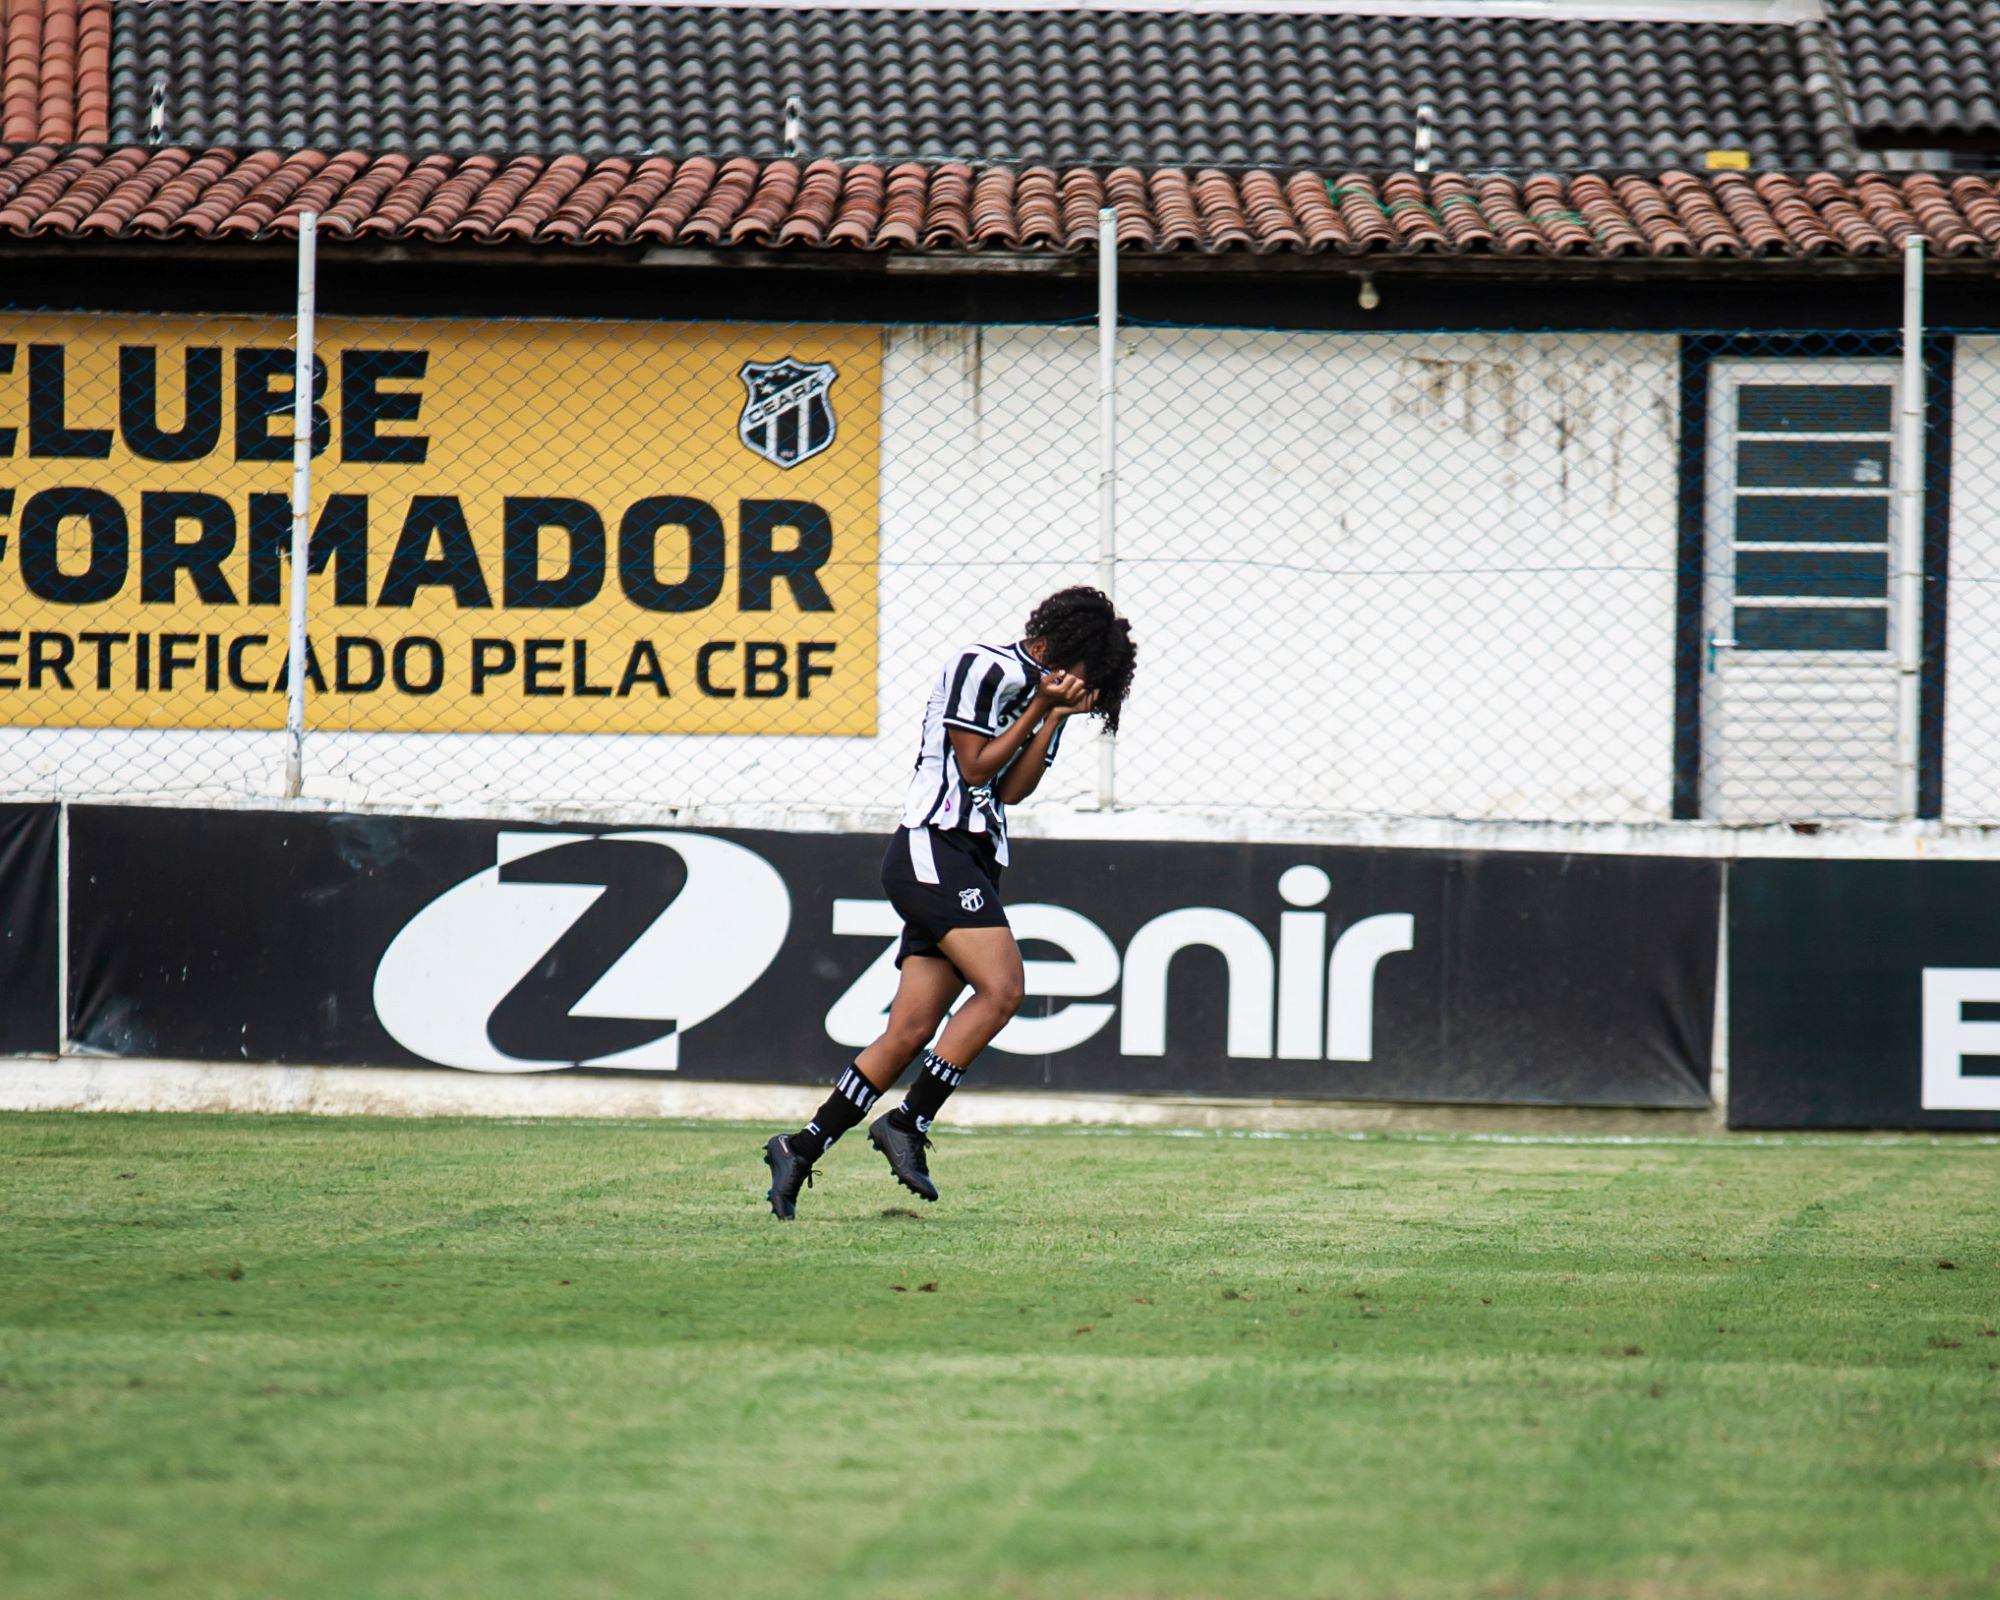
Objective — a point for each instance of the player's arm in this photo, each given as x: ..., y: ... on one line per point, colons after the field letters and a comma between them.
x: 982, y: 757
x: 1024, y: 777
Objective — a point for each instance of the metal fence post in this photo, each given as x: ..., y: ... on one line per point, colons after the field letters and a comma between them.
x: 302, y: 410
x: 1107, y: 457
x: 1909, y: 567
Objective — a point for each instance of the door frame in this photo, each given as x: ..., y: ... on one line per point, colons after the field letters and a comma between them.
x: 1698, y: 352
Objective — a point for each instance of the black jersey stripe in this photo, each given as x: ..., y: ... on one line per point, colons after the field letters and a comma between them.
x: 951, y: 699
x: 989, y: 686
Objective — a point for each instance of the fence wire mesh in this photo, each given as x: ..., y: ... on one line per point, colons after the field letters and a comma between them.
x: 1512, y: 576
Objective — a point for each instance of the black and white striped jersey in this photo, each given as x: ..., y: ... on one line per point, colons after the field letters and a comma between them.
x: 983, y: 687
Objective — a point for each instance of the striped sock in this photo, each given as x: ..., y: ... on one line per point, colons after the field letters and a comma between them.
x: 850, y: 1101
x: 934, y: 1083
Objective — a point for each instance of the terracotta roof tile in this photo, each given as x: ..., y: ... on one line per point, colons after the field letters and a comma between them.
x: 1040, y: 217
x: 1361, y: 209
x: 1079, y: 197
x: 1313, y: 206
x: 454, y: 197
x: 902, y: 208
x: 858, y: 214
x: 725, y: 201
x: 634, y: 198
x: 569, y: 202
x: 1652, y: 217
x: 1605, y: 219
x: 365, y: 196
x: 139, y: 175
x: 531, y: 214
x: 55, y: 70
x: 663, y: 219
x: 492, y: 204
x: 1749, y: 216
x: 1500, y: 204
x: 1458, y: 214
x: 1975, y: 201
x: 1853, y: 234
x: 993, y: 196
x: 1793, y: 212
x: 336, y: 178
x: 1125, y: 191
x: 1405, y: 196
x: 1694, y: 203
x: 770, y: 203
x: 260, y: 207
x: 41, y: 193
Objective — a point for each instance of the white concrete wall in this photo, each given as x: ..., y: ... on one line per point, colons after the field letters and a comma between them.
x: 1371, y: 575
x: 1409, y: 575
x: 1972, y: 637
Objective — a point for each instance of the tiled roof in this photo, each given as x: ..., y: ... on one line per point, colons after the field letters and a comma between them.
x: 1097, y: 87
x: 55, y: 78
x: 151, y: 194
x: 1921, y: 68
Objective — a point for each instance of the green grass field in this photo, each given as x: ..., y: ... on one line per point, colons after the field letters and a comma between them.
x: 297, y: 1357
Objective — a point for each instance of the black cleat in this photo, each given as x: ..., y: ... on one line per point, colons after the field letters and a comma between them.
x: 789, y: 1171
x: 904, y: 1148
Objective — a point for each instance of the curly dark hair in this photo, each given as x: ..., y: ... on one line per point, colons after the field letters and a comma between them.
x: 1079, y: 628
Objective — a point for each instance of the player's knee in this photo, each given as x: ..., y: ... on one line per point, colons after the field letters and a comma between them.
x: 907, y: 1038
x: 1005, y: 994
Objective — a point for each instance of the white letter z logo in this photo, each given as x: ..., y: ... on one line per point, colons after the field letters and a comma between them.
x: 473, y: 980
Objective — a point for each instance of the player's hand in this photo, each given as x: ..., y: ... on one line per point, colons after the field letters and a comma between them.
x: 1061, y: 688
x: 1068, y: 693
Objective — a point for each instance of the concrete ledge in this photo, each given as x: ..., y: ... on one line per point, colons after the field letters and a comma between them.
x: 77, y: 1083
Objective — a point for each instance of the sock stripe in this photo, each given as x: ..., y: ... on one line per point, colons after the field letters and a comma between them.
x: 926, y: 1095
x: 943, y: 1070
x: 857, y: 1090
x: 848, y: 1103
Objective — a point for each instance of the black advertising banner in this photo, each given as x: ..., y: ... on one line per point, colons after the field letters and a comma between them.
x: 1210, y: 969
x: 30, y: 1009
x: 1864, y: 994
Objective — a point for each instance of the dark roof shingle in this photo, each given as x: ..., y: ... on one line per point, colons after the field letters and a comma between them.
x: 1066, y: 87
x: 150, y: 194
x: 1920, y: 69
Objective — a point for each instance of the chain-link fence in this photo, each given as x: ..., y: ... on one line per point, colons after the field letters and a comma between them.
x: 1519, y: 576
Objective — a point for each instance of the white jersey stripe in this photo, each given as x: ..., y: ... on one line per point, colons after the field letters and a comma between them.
x: 922, y: 861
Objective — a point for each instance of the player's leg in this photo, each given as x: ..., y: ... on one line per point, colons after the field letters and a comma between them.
x: 928, y: 987
x: 925, y: 992
x: 990, y: 960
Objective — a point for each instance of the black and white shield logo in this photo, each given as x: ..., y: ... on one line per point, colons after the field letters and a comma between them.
x: 788, y: 413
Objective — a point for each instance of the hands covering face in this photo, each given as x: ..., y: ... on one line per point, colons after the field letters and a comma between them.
x: 1067, y: 692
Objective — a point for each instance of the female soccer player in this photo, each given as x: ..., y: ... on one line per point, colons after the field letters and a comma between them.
x: 991, y: 729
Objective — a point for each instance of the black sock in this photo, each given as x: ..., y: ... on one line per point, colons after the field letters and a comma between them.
x: 848, y: 1104
x: 936, y: 1078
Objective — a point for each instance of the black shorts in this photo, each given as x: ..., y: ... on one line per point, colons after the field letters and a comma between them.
x: 940, y: 879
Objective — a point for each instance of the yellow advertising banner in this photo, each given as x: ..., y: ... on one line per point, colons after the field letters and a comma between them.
x: 527, y: 527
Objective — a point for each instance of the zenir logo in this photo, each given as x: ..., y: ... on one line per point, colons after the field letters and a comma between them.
x: 592, y: 950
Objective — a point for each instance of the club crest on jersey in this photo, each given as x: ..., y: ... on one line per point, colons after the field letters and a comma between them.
x: 971, y: 899
x: 788, y: 412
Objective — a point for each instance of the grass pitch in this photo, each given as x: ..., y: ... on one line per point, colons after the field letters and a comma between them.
x: 305, y: 1358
